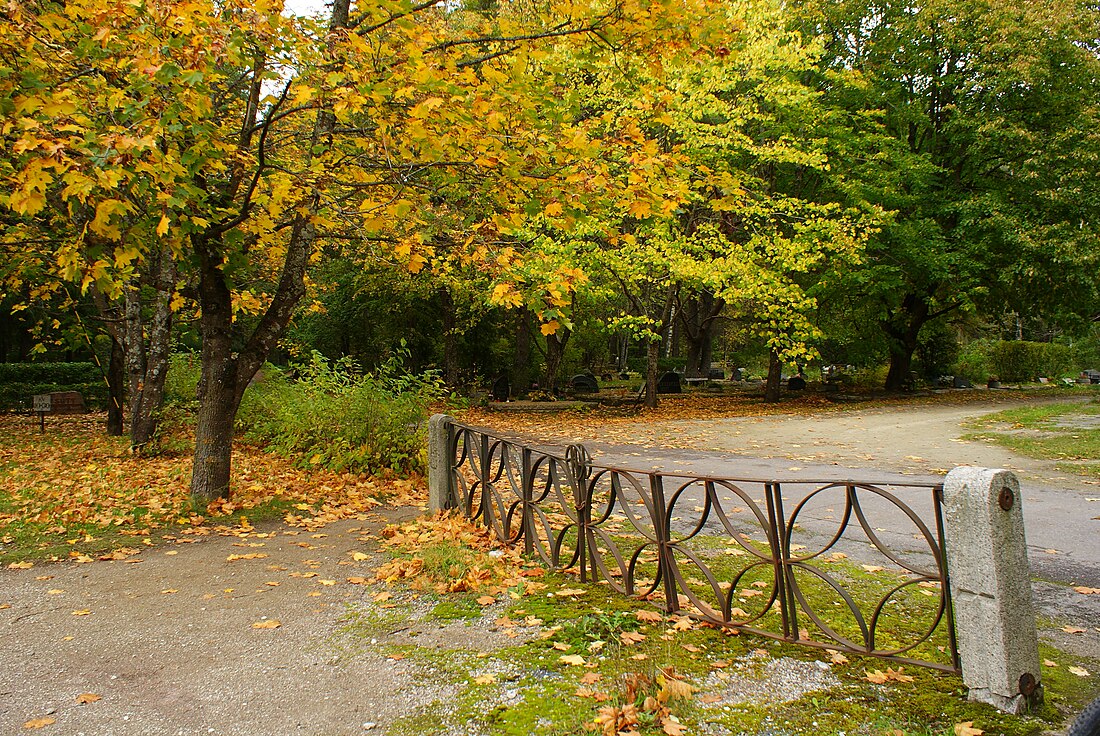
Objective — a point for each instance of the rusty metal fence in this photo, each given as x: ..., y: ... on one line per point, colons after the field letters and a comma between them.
x: 727, y: 550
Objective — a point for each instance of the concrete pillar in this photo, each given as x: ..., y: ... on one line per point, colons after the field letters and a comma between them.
x: 441, y: 492
x: 991, y: 588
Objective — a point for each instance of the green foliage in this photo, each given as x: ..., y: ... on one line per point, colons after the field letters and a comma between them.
x: 335, y: 417
x: 1021, y: 360
x: 19, y: 382
x: 937, y: 349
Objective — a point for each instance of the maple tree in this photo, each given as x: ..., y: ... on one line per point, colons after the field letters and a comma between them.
x: 240, y: 140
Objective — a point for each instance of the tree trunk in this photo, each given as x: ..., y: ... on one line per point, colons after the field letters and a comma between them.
x: 135, y: 345
x: 217, y: 390
x: 775, y: 378
x: 555, y: 353
x: 116, y: 389
x: 699, y: 317
x: 652, y: 353
x: 225, y: 375
x: 521, y: 356
x: 450, y: 338
x: 145, y: 418
x: 903, y: 330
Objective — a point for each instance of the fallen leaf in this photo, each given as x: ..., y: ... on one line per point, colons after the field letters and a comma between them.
x: 966, y: 728
x: 1073, y: 630
x: 169, y: 591
x: 561, y: 646
x: 873, y: 568
x: 23, y: 566
x: 269, y: 624
x: 55, y: 591
x: 1079, y: 671
x: 82, y: 612
x: 485, y: 679
x: 591, y: 678
x: 837, y: 658
x: 358, y: 580
x: 327, y: 582
x: 486, y: 600
x: 649, y: 617
x: 249, y: 556
x: 575, y: 660
x: 39, y: 723
x: 1049, y: 663
x: 359, y: 556
x: 630, y: 638
x: 385, y: 595
x: 85, y: 698
x: 1087, y: 591
x: 691, y: 648
x: 566, y: 592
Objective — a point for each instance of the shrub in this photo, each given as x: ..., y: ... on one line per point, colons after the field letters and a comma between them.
x: 1021, y: 360
x: 333, y: 416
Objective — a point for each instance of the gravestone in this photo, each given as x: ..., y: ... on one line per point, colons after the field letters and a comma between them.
x: 716, y: 374
x: 66, y: 402
x: 669, y: 383
x: 502, y: 389
x: 796, y: 383
x: 584, y: 384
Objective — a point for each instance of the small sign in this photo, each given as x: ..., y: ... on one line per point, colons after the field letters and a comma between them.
x: 43, y: 403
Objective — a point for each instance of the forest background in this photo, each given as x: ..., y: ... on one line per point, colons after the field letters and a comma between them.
x: 404, y: 200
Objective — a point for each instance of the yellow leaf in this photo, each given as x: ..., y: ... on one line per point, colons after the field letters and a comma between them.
x: 485, y: 679
x: 837, y: 658
x: 82, y: 612
x: 486, y: 600
x: 269, y: 624
x: 1086, y: 590
x: 383, y: 597
x: 568, y: 592
x: 39, y: 723
x: 553, y: 209
x: 651, y: 617
x: 966, y: 728
x: 1079, y: 671
x: 575, y: 660
x: 327, y: 582
x: 162, y: 226
x: 85, y: 698
x: 359, y: 556
x: 549, y: 328
x: 561, y: 646
x: 21, y: 566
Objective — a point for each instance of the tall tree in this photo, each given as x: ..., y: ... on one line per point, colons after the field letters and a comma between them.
x: 964, y: 118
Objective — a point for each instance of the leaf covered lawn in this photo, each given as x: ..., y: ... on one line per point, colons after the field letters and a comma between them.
x: 72, y: 492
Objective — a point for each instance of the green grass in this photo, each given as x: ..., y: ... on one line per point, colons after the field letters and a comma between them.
x: 1034, y: 431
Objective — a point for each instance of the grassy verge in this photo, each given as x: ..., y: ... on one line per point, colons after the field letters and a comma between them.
x: 1065, y: 432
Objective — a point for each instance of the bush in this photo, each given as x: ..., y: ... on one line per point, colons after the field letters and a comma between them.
x: 1020, y: 360
x: 333, y: 416
x: 19, y: 382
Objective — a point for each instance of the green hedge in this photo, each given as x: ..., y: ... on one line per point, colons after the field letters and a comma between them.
x: 19, y: 382
x: 58, y: 374
x: 1015, y: 361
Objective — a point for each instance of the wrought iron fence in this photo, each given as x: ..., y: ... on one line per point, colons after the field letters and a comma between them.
x: 726, y: 550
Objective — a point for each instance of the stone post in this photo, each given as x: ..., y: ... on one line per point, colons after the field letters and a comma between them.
x: 991, y: 588
x: 441, y: 494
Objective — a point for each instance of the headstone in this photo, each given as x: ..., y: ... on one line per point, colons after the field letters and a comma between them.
x: 669, y: 383
x: 67, y: 402
x: 502, y: 389
x: 961, y: 382
x: 584, y: 384
x: 796, y: 383
x: 716, y: 374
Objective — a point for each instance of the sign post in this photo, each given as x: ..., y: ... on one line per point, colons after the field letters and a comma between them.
x: 43, y: 405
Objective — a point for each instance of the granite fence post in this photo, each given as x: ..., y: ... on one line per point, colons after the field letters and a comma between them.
x: 441, y: 493
x: 991, y: 588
